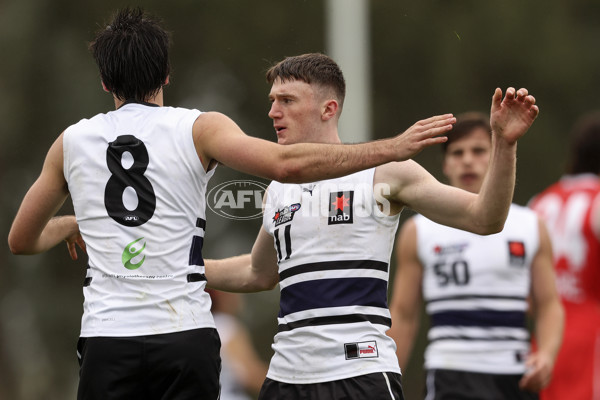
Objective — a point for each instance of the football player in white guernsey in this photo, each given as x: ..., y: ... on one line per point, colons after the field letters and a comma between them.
x: 328, y: 243
x: 137, y: 177
x: 476, y: 290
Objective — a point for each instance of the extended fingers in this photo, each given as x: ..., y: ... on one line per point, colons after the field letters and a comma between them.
x: 534, y: 111
x: 510, y: 96
x: 436, y: 119
x: 81, y: 244
x: 529, y: 100
x: 72, y: 250
x: 445, y: 124
x: 496, y: 98
x: 522, y: 94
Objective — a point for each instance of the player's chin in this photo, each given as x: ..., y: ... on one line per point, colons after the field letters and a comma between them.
x: 283, y: 140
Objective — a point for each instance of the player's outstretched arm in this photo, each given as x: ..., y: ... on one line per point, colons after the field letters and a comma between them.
x: 549, y: 317
x: 510, y: 118
x: 218, y: 138
x: 483, y: 213
x: 406, y: 296
x: 34, y: 229
x: 246, y: 273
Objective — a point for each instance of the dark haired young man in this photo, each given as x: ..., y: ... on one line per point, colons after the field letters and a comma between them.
x: 571, y: 208
x: 328, y: 243
x: 476, y: 289
x: 137, y: 177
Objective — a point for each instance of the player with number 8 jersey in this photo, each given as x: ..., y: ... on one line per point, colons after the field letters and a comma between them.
x: 132, y: 164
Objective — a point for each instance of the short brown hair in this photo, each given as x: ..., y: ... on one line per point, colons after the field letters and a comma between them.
x: 465, y: 124
x: 311, y: 68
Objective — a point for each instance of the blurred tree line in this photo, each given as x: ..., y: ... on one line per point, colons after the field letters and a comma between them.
x: 428, y: 57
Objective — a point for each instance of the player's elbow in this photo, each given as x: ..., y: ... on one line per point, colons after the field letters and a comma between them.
x: 16, y: 246
x: 265, y: 283
x: 489, y: 229
x: 486, y: 224
x: 291, y: 166
x: 288, y: 171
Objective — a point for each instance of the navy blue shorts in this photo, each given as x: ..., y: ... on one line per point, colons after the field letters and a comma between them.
x: 444, y: 384
x: 377, y: 386
x: 181, y: 365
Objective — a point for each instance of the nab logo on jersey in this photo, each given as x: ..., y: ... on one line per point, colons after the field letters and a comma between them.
x: 516, y: 252
x: 340, y: 207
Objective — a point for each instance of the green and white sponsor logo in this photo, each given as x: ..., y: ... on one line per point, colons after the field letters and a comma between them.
x: 130, y: 252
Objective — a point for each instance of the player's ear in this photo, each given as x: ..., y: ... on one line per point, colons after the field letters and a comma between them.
x: 166, y: 81
x: 330, y: 109
x: 106, y: 89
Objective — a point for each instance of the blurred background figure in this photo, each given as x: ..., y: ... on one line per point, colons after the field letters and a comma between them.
x: 476, y: 290
x: 571, y: 208
x: 242, y: 370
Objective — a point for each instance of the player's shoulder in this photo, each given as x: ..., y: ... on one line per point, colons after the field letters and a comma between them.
x: 84, y: 124
x: 387, y: 171
x: 179, y: 110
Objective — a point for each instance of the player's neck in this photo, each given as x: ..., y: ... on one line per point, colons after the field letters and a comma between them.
x: 332, y: 137
x: 157, y: 99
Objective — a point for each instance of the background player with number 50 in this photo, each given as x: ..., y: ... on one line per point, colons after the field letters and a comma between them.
x: 476, y: 290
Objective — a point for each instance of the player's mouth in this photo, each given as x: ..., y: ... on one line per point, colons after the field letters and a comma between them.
x: 469, y: 178
x: 279, y: 129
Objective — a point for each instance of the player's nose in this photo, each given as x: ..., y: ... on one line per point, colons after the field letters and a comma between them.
x: 275, y: 111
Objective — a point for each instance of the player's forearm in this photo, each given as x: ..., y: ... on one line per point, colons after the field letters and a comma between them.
x: 549, y: 326
x: 403, y: 331
x: 55, y: 231
x: 235, y: 274
x: 306, y: 162
x: 227, y: 274
x: 496, y: 194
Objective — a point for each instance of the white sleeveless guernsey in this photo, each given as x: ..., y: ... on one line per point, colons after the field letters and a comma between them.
x: 138, y: 190
x: 475, y: 289
x: 334, y: 247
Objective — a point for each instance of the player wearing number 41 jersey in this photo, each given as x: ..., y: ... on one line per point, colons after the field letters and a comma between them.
x: 137, y: 177
x: 571, y: 208
x: 476, y: 289
x: 328, y: 243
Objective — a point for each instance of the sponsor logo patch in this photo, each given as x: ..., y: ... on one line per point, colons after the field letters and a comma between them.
x: 516, y: 252
x: 450, y: 249
x: 361, y: 350
x: 132, y: 254
x: 286, y: 214
x: 340, y: 207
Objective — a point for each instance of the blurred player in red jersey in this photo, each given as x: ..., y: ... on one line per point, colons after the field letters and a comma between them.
x: 571, y: 208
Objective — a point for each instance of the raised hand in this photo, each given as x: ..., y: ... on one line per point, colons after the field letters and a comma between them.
x: 512, y: 116
x: 423, y: 134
